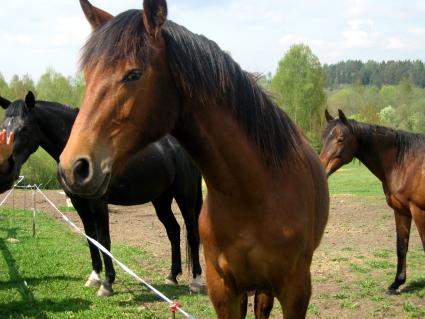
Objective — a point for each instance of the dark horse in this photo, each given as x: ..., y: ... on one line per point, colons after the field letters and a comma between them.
x: 397, y: 159
x: 160, y: 173
x: 267, y: 203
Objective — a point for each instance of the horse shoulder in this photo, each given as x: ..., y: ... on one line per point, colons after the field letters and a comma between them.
x: 406, y: 182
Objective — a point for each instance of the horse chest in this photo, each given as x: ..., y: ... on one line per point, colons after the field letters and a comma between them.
x: 248, y: 268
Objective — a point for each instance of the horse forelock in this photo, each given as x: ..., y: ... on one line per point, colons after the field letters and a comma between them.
x: 16, y: 108
x: 120, y: 39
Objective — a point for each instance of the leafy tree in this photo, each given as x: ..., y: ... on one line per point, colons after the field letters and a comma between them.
x: 78, y: 86
x: 417, y: 73
x: 387, y: 115
x: 299, y: 88
x: 19, y: 86
x: 4, y: 87
x: 53, y: 86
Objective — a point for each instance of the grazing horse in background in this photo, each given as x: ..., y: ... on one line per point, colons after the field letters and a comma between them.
x: 397, y: 159
x: 161, y: 172
x: 267, y: 203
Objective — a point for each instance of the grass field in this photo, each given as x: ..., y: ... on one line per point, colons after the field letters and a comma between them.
x: 43, y: 277
x: 354, y: 179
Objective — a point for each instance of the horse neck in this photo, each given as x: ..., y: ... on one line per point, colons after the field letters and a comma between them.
x: 230, y: 163
x: 377, y: 152
x: 55, y: 123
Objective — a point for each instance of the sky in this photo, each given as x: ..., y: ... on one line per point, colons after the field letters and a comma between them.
x: 36, y: 35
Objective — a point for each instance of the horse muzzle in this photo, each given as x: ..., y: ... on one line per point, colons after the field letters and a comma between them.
x: 84, y: 179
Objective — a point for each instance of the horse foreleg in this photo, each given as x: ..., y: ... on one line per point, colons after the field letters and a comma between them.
x: 294, y: 294
x: 165, y: 214
x: 83, y: 210
x: 402, y: 223
x: 190, y: 215
x: 101, y: 215
x: 228, y: 304
x: 419, y: 218
x: 263, y: 305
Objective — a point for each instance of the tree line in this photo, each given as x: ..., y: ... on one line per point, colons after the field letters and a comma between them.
x: 374, y: 73
x: 51, y: 86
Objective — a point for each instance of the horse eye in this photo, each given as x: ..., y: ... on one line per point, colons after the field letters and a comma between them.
x: 133, y: 75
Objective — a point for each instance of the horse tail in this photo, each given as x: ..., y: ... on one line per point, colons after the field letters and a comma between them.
x: 197, y: 210
x: 199, y: 199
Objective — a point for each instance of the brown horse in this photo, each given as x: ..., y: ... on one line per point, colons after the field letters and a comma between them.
x: 397, y: 159
x: 267, y: 203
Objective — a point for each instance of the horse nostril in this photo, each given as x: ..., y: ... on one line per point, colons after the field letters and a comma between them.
x: 81, y: 171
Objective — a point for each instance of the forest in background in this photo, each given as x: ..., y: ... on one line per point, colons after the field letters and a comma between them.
x: 374, y: 73
x: 388, y: 93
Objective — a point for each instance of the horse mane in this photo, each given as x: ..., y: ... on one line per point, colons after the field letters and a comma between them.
x: 56, y: 106
x: 19, y: 108
x: 201, y: 70
x: 405, y: 142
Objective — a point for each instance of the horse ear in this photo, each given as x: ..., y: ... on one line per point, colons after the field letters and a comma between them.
x: 30, y: 100
x: 328, y: 116
x: 154, y: 15
x: 343, y: 118
x: 4, y: 103
x: 96, y: 17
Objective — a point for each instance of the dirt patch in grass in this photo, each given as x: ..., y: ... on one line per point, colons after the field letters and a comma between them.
x: 351, y: 269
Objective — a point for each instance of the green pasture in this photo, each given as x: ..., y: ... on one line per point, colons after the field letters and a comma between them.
x: 43, y: 277
x: 354, y: 179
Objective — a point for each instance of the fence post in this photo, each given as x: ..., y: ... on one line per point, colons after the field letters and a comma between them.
x: 34, y: 210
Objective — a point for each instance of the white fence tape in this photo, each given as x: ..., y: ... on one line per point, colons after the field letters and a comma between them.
x: 170, y: 303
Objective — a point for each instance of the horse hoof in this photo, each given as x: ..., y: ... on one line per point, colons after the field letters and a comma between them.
x: 196, y: 286
x: 171, y: 282
x: 104, y: 292
x: 393, y: 292
x: 195, y: 289
x: 92, y: 283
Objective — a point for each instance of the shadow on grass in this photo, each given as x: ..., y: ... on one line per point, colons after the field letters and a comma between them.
x: 11, y: 232
x: 39, y: 308
x: 14, y: 274
x: 17, y: 283
x: 28, y: 306
x: 414, y: 286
